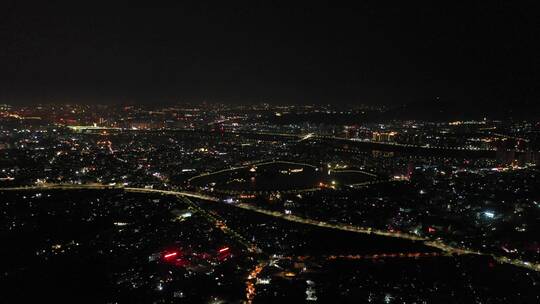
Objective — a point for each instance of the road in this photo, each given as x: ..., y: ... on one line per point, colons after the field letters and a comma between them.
x: 184, y: 196
x: 291, y: 191
x: 250, y: 165
x: 220, y: 223
x: 449, y: 250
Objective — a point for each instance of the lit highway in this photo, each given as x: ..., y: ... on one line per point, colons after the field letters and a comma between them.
x: 219, y: 223
x: 291, y: 191
x: 249, y: 165
x: 303, y: 137
x: 449, y: 250
x: 314, y: 136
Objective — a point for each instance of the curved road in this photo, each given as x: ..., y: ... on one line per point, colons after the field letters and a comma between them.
x: 350, y: 228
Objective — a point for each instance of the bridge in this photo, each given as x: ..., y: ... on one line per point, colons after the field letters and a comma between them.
x: 366, y: 144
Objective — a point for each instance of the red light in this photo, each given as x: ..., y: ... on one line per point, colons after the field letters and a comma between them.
x: 223, y: 249
x: 170, y: 255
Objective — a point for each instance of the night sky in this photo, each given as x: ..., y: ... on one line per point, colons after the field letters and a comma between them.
x: 376, y: 52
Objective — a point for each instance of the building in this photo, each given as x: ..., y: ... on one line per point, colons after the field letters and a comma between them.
x: 384, y: 136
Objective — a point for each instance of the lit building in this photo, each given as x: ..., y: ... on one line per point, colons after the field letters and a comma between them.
x: 384, y: 136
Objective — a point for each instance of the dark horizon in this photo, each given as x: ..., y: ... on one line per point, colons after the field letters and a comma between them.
x: 479, y: 55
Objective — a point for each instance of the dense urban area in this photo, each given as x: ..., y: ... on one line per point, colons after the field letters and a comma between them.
x: 219, y: 203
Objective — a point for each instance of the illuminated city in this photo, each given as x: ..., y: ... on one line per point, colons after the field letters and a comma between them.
x: 188, y: 193
x: 225, y: 198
